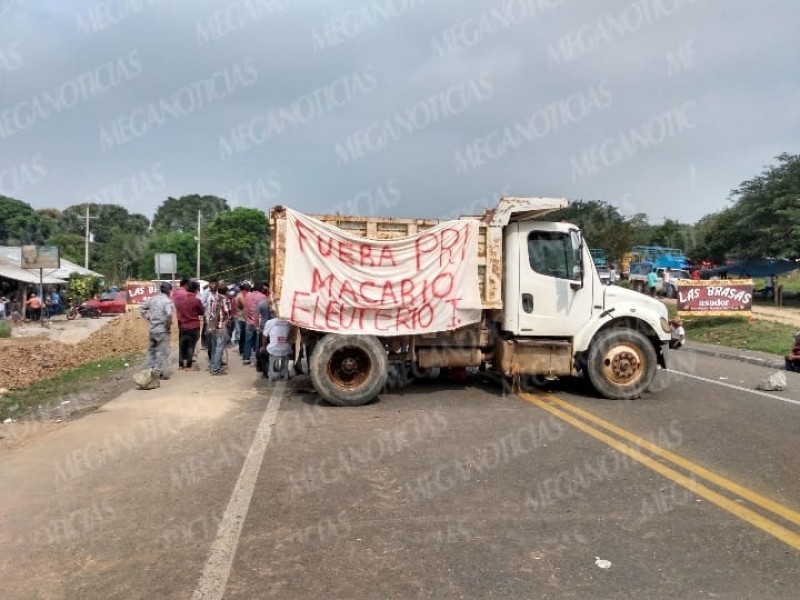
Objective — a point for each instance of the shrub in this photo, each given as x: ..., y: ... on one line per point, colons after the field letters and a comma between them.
x: 5, y: 329
x: 81, y: 287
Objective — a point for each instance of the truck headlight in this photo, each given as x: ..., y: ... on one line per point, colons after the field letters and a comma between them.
x: 664, y: 325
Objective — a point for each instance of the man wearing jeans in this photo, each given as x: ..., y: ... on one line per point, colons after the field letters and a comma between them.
x: 218, y: 324
x: 264, y: 315
x: 251, y: 317
x: 158, y: 311
x: 241, y: 298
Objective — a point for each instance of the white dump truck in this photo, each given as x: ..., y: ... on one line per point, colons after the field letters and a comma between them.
x: 538, y: 309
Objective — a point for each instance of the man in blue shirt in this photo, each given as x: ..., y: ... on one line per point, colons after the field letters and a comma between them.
x: 55, y: 303
x: 652, y: 279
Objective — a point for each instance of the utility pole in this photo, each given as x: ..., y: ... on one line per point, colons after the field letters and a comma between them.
x: 87, y: 239
x: 197, y: 274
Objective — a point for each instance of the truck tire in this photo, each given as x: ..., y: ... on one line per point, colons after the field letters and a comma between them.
x: 349, y: 370
x: 622, y: 363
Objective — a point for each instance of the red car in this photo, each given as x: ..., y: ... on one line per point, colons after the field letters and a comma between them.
x: 107, y: 305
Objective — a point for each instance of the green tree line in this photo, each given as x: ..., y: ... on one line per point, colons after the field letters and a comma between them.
x: 234, y: 242
x: 761, y: 220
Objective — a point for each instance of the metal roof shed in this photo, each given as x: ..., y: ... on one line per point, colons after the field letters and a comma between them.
x: 13, y: 254
x: 10, y: 271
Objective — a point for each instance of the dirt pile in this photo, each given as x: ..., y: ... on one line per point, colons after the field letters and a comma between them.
x: 25, y: 361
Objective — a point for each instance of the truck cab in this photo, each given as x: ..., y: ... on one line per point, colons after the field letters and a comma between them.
x: 557, y: 309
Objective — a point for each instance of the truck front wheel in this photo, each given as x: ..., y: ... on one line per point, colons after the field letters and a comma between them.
x: 622, y: 364
x: 349, y: 370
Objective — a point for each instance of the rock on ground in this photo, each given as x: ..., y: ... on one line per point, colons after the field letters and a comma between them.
x: 774, y: 383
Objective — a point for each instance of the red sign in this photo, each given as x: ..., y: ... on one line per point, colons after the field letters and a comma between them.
x: 139, y: 291
x: 715, y: 297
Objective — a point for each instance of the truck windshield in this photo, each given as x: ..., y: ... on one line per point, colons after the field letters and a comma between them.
x: 550, y: 253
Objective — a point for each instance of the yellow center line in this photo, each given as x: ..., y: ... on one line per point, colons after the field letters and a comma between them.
x: 747, y: 494
x: 785, y: 535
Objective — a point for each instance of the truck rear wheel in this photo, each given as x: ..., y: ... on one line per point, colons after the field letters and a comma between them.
x: 622, y: 364
x: 349, y: 370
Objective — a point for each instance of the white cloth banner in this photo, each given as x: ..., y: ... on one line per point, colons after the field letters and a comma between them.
x: 337, y: 282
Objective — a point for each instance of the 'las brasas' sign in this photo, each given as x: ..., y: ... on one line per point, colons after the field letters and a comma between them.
x: 715, y: 297
x: 139, y: 291
x: 338, y: 282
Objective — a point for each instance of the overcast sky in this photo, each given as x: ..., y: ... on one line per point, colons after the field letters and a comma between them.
x: 402, y: 107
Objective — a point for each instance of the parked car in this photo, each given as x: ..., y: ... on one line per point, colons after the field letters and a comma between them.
x: 108, y: 305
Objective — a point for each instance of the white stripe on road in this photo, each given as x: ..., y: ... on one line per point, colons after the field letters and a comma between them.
x: 220, y: 559
x: 736, y: 387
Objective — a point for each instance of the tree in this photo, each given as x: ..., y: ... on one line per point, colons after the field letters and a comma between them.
x: 764, y: 219
x: 603, y: 226
x: 20, y: 224
x: 117, y: 239
x: 665, y: 234
x: 715, y: 236
x: 70, y: 246
x: 108, y: 219
x: 673, y: 234
x: 182, y: 244
x: 52, y: 218
x: 120, y: 257
x: 180, y: 214
x: 238, y: 242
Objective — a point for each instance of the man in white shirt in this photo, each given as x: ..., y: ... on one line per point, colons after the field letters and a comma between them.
x: 677, y: 333
x: 276, y: 331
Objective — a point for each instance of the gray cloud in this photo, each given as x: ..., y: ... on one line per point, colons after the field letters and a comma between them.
x: 733, y: 63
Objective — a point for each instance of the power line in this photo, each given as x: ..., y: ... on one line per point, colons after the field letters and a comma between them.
x: 250, y: 264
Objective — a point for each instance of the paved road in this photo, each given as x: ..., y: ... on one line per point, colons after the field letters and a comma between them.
x: 227, y: 487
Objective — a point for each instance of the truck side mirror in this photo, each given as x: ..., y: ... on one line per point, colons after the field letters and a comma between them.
x: 576, y: 280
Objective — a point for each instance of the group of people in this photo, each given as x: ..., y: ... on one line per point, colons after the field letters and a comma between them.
x: 217, y: 316
x: 33, y: 308
x: 652, y: 281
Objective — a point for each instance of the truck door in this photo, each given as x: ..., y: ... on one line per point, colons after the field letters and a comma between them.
x: 555, y: 298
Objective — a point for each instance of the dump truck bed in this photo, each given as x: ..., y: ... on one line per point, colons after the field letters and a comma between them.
x: 490, y: 246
